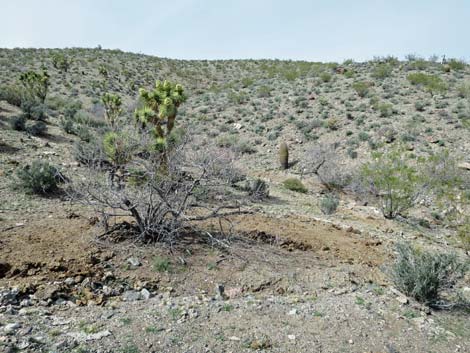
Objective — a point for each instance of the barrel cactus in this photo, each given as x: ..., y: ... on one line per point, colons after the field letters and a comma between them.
x: 284, y: 155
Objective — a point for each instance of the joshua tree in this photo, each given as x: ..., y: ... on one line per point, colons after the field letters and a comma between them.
x: 160, y: 109
x: 36, y: 84
x: 112, y: 108
x: 61, y: 62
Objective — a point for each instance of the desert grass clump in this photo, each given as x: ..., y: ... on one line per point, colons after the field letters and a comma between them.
x: 423, y: 275
x: 295, y: 184
x: 39, y: 177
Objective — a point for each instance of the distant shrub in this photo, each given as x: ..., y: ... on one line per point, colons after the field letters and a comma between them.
x: 258, y: 189
x: 385, y: 109
x: 456, y: 64
x: 329, y: 204
x: 40, y: 177
x: 32, y: 109
x: 420, y: 106
x: 12, y: 95
x: 382, y: 71
x: 464, y: 91
x: 332, y: 124
x: 61, y: 62
x: 432, y: 83
x: 423, y: 275
x: 325, y: 76
x: 67, y: 125
x: 295, y: 184
x: 39, y: 128
x: 361, y: 88
x: 18, y: 123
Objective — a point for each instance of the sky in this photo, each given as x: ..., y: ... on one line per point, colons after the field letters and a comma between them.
x: 313, y: 30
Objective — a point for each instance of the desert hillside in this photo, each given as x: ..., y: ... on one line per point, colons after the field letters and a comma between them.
x: 159, y: 205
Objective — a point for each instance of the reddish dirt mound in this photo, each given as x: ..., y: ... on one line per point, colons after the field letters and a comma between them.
x: 306, y: 234
x: 51, y: 249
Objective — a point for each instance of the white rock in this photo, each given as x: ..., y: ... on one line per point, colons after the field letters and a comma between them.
x: 9, y: 328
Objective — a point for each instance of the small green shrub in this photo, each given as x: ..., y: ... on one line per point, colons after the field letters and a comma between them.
x: 423, y: 275
x: 325, y: 77
x: 40, y: 177
x: 361, y: 88
x: 117, y: 147
x: 295, y: 184
x: 329, y: 204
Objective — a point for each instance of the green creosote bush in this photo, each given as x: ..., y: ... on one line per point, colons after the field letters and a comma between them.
x: 40, y: 177
x: 395, y: 179
x: 423, y: 275
x: 362, y: 88
x: 295, y: 184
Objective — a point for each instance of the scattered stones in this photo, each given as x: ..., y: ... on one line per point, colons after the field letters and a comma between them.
x: 293, y: 312
x: 10, y: 328
x: 145, y: 294
x: 131, y: 295
x: 134, y: 262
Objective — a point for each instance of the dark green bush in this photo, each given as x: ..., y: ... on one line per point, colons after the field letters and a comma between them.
x: 32, y: 109
x: 18, y: 123
x: 39, y: 128
x: 40, y: 177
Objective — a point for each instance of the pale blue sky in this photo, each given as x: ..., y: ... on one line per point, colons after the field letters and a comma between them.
x: 215, y: 29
